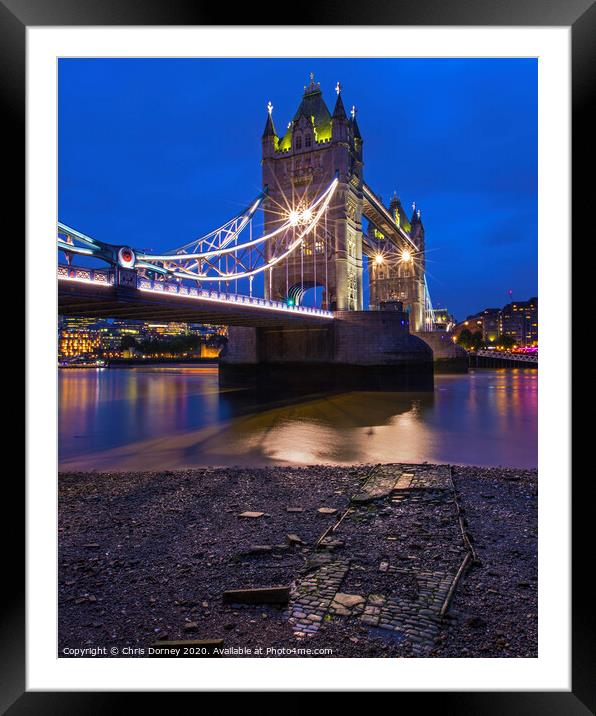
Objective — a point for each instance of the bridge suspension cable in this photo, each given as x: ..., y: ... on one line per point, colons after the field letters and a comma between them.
x: 69, y: 238
x: 229, y: 260
x: 225, y: 234
x: 429, y: 311
x: 218, y: 256
x: 377, y: 204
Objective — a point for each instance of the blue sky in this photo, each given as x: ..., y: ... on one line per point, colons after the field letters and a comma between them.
x: 156, y: 152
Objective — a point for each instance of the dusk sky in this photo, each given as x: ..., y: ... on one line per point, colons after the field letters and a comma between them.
x: 154, y: 153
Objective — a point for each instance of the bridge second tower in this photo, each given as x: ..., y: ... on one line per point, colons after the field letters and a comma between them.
x: 298, y: 165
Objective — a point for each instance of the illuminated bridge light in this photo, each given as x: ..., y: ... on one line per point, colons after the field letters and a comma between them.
x: 306, y: 216
x: 229, y: 298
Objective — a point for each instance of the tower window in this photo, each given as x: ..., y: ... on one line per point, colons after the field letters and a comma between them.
x: 307, y: 140
x: 298, y: 144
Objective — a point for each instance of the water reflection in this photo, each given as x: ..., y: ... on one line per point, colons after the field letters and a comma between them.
x: 175, y: 417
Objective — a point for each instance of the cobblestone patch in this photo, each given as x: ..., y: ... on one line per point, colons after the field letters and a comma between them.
x: 387, y: 479
x: 317, y: 596
x: 421, y: 478
x: 418, y: 621
x: 313, y: 595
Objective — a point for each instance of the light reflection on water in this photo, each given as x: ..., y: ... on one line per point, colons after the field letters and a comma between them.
x: 168, y: 417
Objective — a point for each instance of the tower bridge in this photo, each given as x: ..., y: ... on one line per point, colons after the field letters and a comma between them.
x: 313, y: 204
x: 316, y: 147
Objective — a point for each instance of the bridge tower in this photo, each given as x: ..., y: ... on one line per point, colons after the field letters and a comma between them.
x: 299, y: 165
x: 398, y: 268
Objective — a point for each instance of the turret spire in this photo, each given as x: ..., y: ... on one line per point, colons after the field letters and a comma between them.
x: 355, y: 128
x: 314, y: 86
x: 417, y: 232
x: 269, y: 126
x: 416, y: 214
x: 340, y: 111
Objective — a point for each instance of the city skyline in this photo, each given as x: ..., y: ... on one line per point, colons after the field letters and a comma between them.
x: 160, y: 151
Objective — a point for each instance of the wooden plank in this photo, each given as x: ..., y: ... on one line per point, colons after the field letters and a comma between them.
x: 262, y: 595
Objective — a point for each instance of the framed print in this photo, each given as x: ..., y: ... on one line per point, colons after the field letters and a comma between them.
x: 286, y: 424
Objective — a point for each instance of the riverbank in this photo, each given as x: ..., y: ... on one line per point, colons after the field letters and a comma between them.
x: 373, y: 558
x: 149, y: 361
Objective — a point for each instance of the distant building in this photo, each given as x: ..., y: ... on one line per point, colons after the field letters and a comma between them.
x: 76, y: 343
x: 78, y: 323
x: 86, y: 338
x: 487, y: 322
x: 518, y: 320
x: 491, y: 327
x: 168, y: 329
x: 444, y: 321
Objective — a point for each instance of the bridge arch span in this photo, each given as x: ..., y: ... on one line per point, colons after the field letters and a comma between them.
x: 298, y: 291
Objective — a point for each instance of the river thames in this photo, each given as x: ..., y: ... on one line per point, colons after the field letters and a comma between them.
x: 171, y: 417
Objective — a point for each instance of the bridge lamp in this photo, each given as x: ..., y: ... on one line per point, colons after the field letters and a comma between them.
x: 406, y: 256
x: 379, y: 259
x: 307, y: 216
x: 294, y: 217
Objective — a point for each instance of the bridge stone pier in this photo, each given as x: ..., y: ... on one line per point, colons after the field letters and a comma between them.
x: 448, y: 356
x: 359, y: 350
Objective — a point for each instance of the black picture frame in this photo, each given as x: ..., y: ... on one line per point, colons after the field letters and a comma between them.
x: 17, y: 15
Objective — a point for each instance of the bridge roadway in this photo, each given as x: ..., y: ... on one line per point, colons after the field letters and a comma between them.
x: 379, y: 216
x: 122, y: 293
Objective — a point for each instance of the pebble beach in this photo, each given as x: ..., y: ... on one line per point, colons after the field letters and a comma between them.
x: 394, y: 560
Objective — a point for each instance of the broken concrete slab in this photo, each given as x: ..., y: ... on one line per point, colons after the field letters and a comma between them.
x: 404, y: 481
x: 380, y: 485
x: 347, y: 604
x: 348, y: 600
